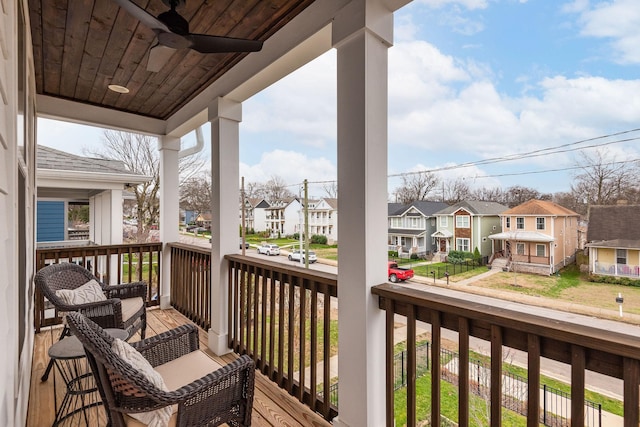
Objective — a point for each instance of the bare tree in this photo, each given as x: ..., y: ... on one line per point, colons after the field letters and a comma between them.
x: 139, y: 154
x: 276, y: 189
x: 603, y: 181
x: 416, y: 187
x: 195, y: 193
x: 493, y: 194
x: 454, y: 191
x: 331, y: 189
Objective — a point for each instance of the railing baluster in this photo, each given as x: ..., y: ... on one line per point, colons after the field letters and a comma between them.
x: 313, y: 333
x: 302, y: 338
x: 463, y: 372
x: 281, y: 327
x: 389, y: 357
x: 263, y: 326
x: 631, y: 374
x: 272, y: 324
x: 411, y: 366
x: 291, y: 335
x: 496, y: 376
x: 326, y: 355
x: 436, y: 372
x: 533, y: 381
x: 578, y: 363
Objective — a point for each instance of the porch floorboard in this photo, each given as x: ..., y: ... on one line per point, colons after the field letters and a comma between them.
x: 272, y: 406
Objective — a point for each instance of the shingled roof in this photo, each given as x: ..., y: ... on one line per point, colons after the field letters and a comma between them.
x: 49, y: 158
x: 618, y: 222
x: 541, y: 208
x: 476, y: 207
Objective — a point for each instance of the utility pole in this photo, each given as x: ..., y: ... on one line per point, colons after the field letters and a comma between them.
x: 243, y: 216
x: 306, y: 224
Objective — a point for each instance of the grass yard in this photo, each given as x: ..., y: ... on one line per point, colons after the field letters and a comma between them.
x: 570, y: 285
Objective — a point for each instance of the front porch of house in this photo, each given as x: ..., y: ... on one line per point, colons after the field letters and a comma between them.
x: 272, y: 405
x: 286, y: 317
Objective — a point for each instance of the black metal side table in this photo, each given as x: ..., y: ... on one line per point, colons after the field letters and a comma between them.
x: 80, y: 392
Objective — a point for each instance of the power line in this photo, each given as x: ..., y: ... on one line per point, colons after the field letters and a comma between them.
x: 563, y: 148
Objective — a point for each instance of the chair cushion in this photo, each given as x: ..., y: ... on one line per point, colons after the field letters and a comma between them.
x: 130, y: 307
x: 87, y: 293
x: 159, y: 417
x: 177, y: 373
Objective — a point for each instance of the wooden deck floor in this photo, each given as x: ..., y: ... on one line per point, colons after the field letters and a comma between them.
x: 271, y: 406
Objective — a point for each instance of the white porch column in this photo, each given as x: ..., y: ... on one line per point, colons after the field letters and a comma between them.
x: 362, y: 34
x: 106, y: 229
x: 169, y: 148
x: 225, y: 117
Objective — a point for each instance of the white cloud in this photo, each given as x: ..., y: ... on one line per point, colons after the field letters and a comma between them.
x: 293, y: 167
x: 303, y: 104
x: 617, y: 21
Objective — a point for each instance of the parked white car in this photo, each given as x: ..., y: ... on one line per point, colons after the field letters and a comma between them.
x: 295, y: 256
x: 269, y: 249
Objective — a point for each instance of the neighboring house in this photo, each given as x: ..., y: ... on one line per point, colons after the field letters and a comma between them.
x: 204, y: 220
x: 284, y: 217
x: 613, y: 239
x: 65, y: 181
x: 189, y: 216
x: 255, y: 217
x: 538, y: 236
x: 467, y: 225
x: 410, y: 227
x: 323, y: 218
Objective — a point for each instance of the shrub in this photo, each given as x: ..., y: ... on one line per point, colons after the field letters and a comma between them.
x: 393, y: 254
x: 319, y: 239
x: 458, y: 257
x: 414, y: 256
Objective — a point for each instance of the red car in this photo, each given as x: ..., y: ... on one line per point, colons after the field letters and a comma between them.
x: 397, y: 274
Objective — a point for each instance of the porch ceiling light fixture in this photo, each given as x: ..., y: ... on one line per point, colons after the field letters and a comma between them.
x: 118, y: 88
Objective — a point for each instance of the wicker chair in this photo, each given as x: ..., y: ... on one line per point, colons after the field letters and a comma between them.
x: 203, y: 396
x: 125, y: 307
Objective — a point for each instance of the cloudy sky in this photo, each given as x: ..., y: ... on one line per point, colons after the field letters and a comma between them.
x: 471, y: 82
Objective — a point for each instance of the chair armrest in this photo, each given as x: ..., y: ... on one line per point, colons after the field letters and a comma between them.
x: 107, y: 314
x: 228, y: 390
x: 127, y: 290
x: 169, y: 345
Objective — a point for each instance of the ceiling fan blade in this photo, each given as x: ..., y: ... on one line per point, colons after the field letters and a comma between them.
x: 142, y: 15
x: 158, y: 56
x: 217, y: 44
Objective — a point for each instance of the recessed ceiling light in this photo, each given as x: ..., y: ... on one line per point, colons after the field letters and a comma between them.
x: 118, y: 88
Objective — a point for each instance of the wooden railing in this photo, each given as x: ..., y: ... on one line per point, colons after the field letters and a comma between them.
x: 112, y: 264
x: 191, y: 282
x: 582, y: 347
x: 283, y: 317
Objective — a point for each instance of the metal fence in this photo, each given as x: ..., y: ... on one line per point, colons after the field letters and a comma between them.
x: 556, y: 403
x: 451, y: 269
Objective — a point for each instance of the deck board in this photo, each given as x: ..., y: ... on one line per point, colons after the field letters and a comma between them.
x: 271, y: 407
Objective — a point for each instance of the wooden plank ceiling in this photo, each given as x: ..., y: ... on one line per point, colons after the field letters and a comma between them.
x: 82, y: 46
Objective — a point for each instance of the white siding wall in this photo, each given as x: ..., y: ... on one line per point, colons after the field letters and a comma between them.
x: 17, y: 210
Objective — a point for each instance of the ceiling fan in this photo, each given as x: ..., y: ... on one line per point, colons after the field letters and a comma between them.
x: 172, y: 31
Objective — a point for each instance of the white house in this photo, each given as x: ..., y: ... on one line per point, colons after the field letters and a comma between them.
x: 284, y: 217
x: 323, y: 218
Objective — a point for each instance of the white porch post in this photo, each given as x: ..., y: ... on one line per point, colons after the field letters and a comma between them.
x: 362, y: 34
x: 225, y: 117
x: 169, y: 148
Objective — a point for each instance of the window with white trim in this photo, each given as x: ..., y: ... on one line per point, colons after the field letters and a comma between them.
x: 414, y: 222
x: 396, y: 222
x: 462, y: 221
x: 520, y: 223
x: 540, y: 223
x: 507, y: 222
x: 444, y: 221
x: 541, y: 250
x: 520, y: 248
x: 462, y: 244
x: 621, y: 256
